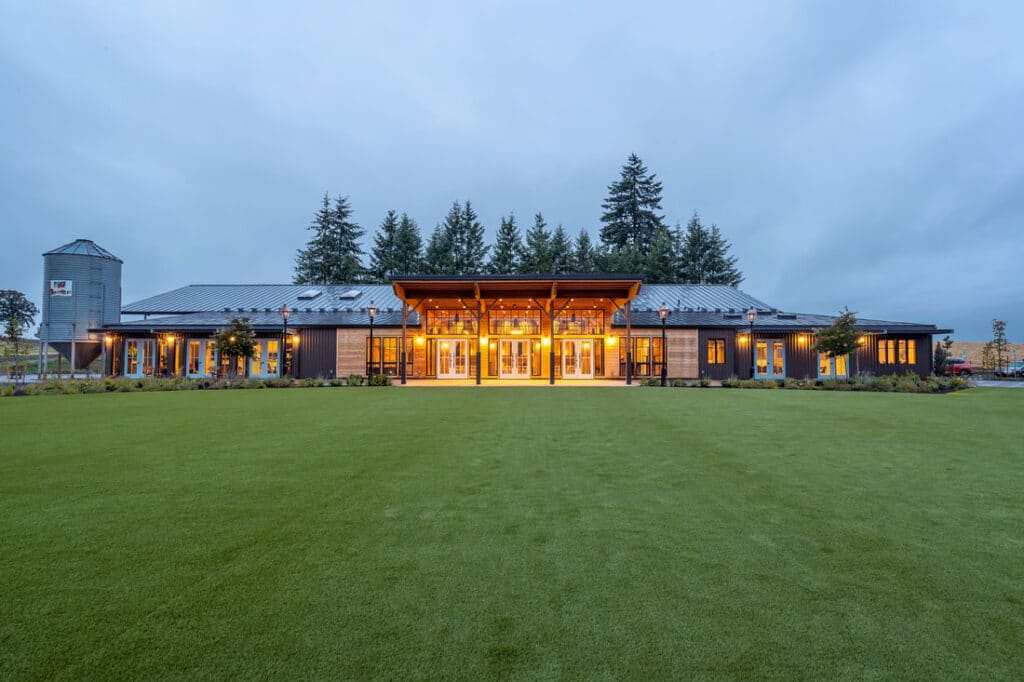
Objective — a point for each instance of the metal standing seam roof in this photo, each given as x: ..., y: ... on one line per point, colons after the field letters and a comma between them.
x: 197, y: 298
x: 83, y: 247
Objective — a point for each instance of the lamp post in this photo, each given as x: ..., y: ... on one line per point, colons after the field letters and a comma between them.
x: 663, y: 313
x: 285, y: 313
x: 372, y: 312
x: 751, y: 318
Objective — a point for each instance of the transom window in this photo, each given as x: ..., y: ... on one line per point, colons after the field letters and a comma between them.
x: 451, y: 322
x: 505, y: 322
x: 583, y: 322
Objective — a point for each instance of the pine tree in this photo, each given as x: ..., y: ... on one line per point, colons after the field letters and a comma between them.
x: 438, y: 258
x: 561, y: 251
x: 382, y: 257
x: 661, y: 263
x: 346, y: 261
x: 454, y: 239
x: 537, y: 252
x: 408, y: 248
x: 630, y: 212
x: 584, y: 255
x: 508, y: 248
x: 704, y: 256
x: 474, y: 249
x: 313, y: 264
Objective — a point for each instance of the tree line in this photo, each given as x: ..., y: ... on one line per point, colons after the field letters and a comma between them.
x: 634, y: 238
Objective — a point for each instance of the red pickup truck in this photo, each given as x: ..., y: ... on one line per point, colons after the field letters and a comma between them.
x: 959, y: 366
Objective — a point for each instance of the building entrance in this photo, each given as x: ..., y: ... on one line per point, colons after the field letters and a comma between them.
x: 578, y: 358
x: 515, y: 359
x: 452, y: 357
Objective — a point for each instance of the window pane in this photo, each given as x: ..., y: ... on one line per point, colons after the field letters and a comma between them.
x: 824, y: 366
x: 912, y: 351
x: 720, y: 343
x: 778, y: 357
x: 272, y: 347
x: 903, y: 351
x: 881, y: 352
x: 711, y: 352
x: 841, y: 366
x: 762, y: 357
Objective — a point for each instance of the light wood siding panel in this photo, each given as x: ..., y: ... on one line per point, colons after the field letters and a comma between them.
x: 352, y: 351
x: 683, y: 360
x: 611, y: 355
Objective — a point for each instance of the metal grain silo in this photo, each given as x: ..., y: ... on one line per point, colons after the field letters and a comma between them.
x: 81, y: 291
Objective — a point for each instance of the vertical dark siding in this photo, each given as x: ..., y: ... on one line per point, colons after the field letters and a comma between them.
x: 318, y: 352
x: 867, y: 356
x: 718, y: 372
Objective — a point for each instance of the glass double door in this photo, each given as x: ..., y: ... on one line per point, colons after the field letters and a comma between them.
x: 514, y: 360
x: 770, y: 360
x: 452, y: 359
x: 578, y: 358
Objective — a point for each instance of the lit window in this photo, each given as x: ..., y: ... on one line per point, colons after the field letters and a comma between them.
x: 194, y: 358
x: 272, y: 347
x: 902, y: 344
x: 716, y: 351
x: 912, y: 351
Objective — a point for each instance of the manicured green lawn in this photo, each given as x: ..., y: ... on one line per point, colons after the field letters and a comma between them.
x: 512, y: 532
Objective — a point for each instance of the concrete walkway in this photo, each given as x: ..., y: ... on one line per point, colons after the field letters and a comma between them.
x: 515, y: 382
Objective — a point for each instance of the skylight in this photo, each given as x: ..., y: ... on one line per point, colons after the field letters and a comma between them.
x: 350, y: 294
x: 309, y: 294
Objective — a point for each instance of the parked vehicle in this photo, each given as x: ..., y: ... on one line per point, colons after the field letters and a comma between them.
x: 959, y: 366
x: 1012, y: 369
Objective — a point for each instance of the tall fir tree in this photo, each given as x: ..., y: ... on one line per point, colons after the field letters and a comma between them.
x: 704, y: 256
x: 661, y: 263
x: 631, y: 216
x: 455, y: 239
x: 537, y: 251
x: 314, y: 264
x: 382, y: 256
x: 474, y: 249
x: 584, y: 255
x: 438, y: 257
x: 561, y: 251
x: 508, y: 248
x: 346, y: 236
x: 408, y: 248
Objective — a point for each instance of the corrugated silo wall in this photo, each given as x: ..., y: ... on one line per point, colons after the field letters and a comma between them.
x: 95, y: 300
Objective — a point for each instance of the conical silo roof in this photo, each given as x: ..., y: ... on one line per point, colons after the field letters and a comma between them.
x: 83, y: 247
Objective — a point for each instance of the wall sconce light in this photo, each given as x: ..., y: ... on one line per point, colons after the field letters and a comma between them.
x: 109, y: 339
x: 295, y: 339
x: 170, y: 339
x: 419, y: 341
x: 546, y: 341
x: 801, y: 339
x: 610, y: 340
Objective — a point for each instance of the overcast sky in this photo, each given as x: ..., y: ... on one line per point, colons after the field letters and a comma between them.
x: 859, y: 154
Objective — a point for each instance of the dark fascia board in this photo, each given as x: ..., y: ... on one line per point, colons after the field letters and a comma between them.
x: 516, y: 278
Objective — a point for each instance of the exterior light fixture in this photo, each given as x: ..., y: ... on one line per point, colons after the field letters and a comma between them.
x: 295, y: 339
x: 285, y: 312
x: 231, y: 339
x: 170, y: 339
x: 663, y: 313
x: 751, y: 319
x: 371, y: 310
x: 109, y: 339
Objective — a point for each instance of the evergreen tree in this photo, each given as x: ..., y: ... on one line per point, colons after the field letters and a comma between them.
x: 561, y: 251
x: 630, y: 212
x: 332, y: 255
x: 661, y: 262
x: 383, y: 256
x: 537, y: 252
x: 842, y: 338
x: 474, y: 249
x: 313, y: 264
x: 438, y: 258
x: 584, y: 255
x: 455, y: 241
x: 704, y: 256
x: 408, y: 248
x: 508, y: 248
x: 627, y: 260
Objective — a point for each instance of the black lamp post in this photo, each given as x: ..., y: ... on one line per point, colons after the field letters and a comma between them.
x: 285, y: 313
x: 372, y: 312
x: 751, y: 318
x: 663, y: 313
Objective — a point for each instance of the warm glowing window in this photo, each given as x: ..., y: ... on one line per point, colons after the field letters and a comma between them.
x: 887, y: 351
x: 257, y: 359
x: 897, y: 351
x: 912, y: 351
x: 195, y: 358
x: 716, y: 351
x: 587, y: 322
x: 841, y: 366
x: 272, y: 350
x: 451, y: 322
x: 132, y: 354
x: 824, y: 365
x: 514, y: 322
x: 211, y: 357
x: 384, y: 353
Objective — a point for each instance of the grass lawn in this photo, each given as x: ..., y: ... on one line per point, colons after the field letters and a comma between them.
x: 512, y: 532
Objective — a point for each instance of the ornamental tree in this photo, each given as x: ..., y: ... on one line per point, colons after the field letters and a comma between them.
x: 16, y: 313
x: 842, y: 338
x: 238, y: 340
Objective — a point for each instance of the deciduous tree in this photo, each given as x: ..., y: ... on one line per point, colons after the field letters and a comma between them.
x: 237, y: 340
x: 17, y: 313
x: 842, y: 338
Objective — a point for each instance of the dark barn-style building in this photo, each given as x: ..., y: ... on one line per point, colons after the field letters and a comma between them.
x: 545, y: 328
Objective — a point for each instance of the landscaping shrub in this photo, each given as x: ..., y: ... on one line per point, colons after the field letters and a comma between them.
x: 354, y: 380
x: 731, y: 382
x: 379, y: 380
x: 678, y: 383
x: 337, y: 381
x: 313, y: 382
x: 705, y: 382
x: 280, y: 382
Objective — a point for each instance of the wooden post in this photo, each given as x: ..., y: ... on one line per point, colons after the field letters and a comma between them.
x: 405, y: 318
x: 629, y: 344
x: 479, y: 315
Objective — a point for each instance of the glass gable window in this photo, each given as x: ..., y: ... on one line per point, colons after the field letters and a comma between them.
x: 451, y: 322
x: 582, y: 322
x: 514, y: 322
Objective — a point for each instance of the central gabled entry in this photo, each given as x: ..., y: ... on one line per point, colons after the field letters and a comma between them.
x: 516, y: 326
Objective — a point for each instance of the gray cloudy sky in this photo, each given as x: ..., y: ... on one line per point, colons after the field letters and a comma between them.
x: 860, y: 154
